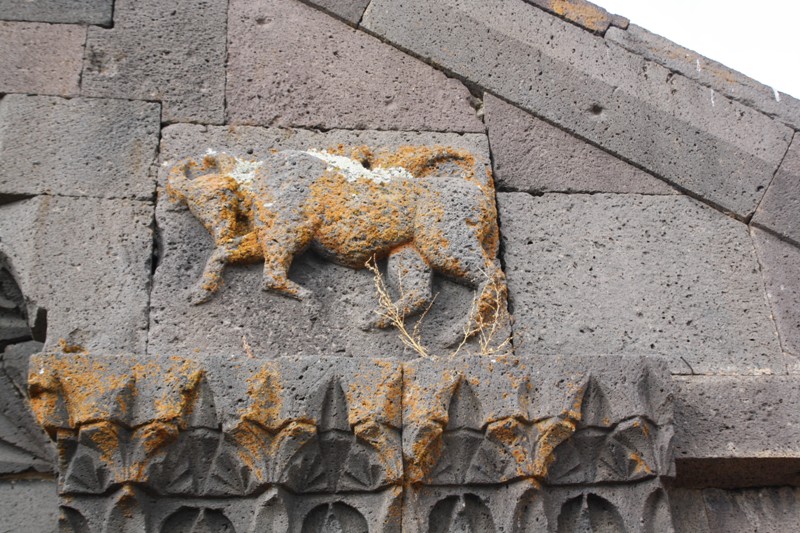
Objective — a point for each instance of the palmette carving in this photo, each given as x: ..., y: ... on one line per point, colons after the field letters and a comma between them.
x: 315, y: 444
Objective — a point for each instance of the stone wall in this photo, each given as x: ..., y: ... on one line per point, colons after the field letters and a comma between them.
x: 648, y: 204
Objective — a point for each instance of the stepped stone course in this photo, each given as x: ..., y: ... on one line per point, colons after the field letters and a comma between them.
x: 173, y: 52
x: 664, y: 123
x: 779, y: 211
x: 533, y: 156
x: 348, y: 80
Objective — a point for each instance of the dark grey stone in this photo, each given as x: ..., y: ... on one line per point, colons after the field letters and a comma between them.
x: 270, y: 324
x: 40, y: 58
x: 78, y: 147
x: 28, y: 506
x: 585, y: 14
x: 779, y: 211
x: 86, y: 263
x: 173, y: 52
x: 290, y: 65
x: 708, y: 72
x: 15, y: 362
x: 719, y: 419
x: 349, y: 10
x: 533, y: 156
x: 780, y: 265
x: 23, y: 445
x: 688, y: 511
x: 753, y: 511
x: 667, y: 124
x: 64, y: 11
x: 645, y: 275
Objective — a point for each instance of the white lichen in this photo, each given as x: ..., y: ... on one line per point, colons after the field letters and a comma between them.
x: 244, y: 171
x: 353, y: 170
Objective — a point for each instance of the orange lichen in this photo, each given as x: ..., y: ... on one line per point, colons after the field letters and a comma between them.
x: 640, y: 465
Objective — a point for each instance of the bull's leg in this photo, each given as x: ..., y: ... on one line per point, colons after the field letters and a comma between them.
x: 448, y: 234
x: 411, y: 278
x: 215, y: 204
x: 281, y: 240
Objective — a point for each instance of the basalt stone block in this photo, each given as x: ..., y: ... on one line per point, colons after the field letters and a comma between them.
x: 241, y: 317
x: 15, y: 362
x: 40, y: 58
x: 645, y: 275
x: 290, y: 65
x: 187, y: 428
x: 780, y: 265
x: 23, y: 445
x: 78, y: 147
x: 64, y: 11
x: 590, y: 16
x: 780, y: 209
x: 173, y: 52
x: 349, y: 10
x: 734, y: 429
x: 688, y: 511
x: 664, y: 123
x: 720, y: 78
x: 28, y: 505
x: 533, y: 156
x: 83, y: 266
x: 744, y: 511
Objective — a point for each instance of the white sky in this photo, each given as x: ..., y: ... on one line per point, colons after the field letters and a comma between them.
x: 761, y: 40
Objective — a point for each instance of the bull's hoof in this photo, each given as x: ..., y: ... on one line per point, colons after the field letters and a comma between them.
x: 200, y: 295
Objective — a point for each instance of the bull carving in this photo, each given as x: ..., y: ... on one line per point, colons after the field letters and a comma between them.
x: 424, y: 209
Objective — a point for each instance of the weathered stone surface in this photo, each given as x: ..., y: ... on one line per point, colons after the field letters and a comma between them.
x: 291, y: 65
x: 780, y: 265
x: 531, y: 155
x: 623, y: 274
x: 590, y: 16
x: 14, y: 361
x: 752, y: 511
x: 667, y: 124
x: 64, y: 11
x: 349, y: 10
x: 40, y: 58
x: 270, y: 324
x: 779, y: 211
x: 688, y: 511
x: 168, y: 51
x: 742, y: 430
x: 722, y: 79
x: 86, y: 263
x: 78, y: 147
x: 28, y: 506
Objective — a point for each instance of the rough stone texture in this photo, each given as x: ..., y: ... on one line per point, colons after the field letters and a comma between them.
x: 168, y: 51
x: 146, y: 434
x: 272, y: 324
x: 28, y: 506
x: 752, y: 511
x: 667, y: 124
x: 14, y: 361
x: 688, y: 511
x: 64, y: 11
x: 708, y: 72
x: 291, y: 65
x: 624, y: 274
x: 349, y: 10
x: 728, y: 430
x: 589, y: 16
x: 78, y: 147
x: 533, y: 156
x: 86, y: 263
x: 779, y: 211
x: 23, y: 445
x: 780, y: 265
x: 40, y: 58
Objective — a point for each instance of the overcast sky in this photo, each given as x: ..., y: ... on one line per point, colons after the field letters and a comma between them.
x: 760, y: 40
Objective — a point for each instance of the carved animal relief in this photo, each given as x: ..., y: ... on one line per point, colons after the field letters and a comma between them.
x: 424, y: 209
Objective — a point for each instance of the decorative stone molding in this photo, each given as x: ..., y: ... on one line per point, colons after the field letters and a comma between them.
x: 303, y: 444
